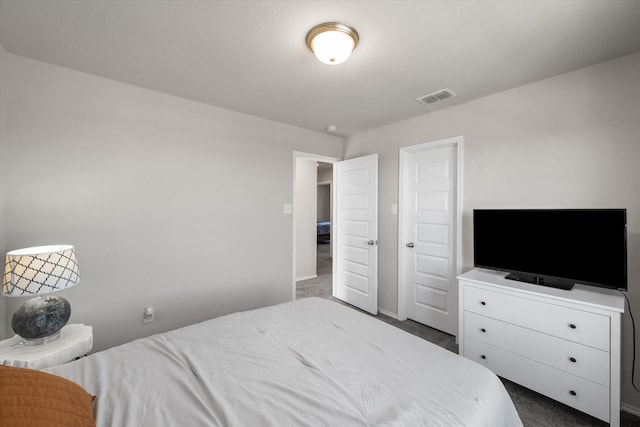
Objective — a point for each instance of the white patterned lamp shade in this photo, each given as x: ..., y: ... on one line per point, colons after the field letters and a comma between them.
x: 39, y: 271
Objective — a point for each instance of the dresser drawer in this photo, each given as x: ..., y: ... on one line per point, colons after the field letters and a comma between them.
x: 575, y: 325
x: 577, y: 359
x: 574, y: 391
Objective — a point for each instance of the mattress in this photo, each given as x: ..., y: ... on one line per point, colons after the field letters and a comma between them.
x: 312, y: 362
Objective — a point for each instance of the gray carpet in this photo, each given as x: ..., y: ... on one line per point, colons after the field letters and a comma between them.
x: 535, y: 410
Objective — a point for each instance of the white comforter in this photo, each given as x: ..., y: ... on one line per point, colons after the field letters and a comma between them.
x: 312, y: 362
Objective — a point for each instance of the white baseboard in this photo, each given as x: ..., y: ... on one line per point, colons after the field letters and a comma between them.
x: 630, y: 409
x: 387, y: 313
x: 313, y: 276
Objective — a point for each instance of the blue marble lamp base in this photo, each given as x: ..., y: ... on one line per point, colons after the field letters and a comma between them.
x: 40, y: 319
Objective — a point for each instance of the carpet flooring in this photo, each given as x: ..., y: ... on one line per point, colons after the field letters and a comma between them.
x: 535, y: 410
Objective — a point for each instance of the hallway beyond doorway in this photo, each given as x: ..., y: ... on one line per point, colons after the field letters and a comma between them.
x: 321, y: 286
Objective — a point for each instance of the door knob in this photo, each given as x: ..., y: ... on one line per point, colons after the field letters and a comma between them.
x: 372, y: 242
x: 410, y: 245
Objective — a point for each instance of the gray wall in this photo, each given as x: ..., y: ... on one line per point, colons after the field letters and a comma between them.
x: 305, y: 214
x: 3, y: 248
x: 325, y: 174
x: 566, y: 142
x: 324, y: 202
x: 325, y: 192
x: 169, y: 202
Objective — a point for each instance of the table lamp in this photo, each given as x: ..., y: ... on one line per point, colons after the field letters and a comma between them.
x: 40, y: 271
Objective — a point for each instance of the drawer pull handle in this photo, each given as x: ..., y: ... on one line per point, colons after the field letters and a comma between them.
x: 483, y: 329
x: 573, y: 393
x: 572, y: 359
x: 572, y: 325
x: 483, y: 303
x: 482, y: 356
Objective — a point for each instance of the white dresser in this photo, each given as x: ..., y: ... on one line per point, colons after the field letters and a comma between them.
x: 563, y: 344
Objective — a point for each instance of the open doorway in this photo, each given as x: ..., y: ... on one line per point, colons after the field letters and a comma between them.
x: 319, y: 284
x: 353, y: 244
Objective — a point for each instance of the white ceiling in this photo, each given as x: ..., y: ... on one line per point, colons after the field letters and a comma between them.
x: 251, y: 57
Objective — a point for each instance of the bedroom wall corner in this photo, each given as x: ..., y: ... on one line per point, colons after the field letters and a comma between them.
x: 569, y: 141
x: 170, y: 203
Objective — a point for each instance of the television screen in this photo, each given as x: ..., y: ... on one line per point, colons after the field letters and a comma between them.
x: 556, y: 247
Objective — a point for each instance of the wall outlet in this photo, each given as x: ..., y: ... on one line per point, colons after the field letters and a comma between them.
x: 148, y: 315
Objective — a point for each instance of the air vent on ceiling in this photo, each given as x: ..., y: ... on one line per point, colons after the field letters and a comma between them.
x: 436, y: 96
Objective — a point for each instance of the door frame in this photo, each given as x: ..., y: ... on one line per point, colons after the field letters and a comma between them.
x: 456, y: 141
x: 299, y: 155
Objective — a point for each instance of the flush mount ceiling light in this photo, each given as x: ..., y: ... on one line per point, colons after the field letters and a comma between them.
x: 332, y: 42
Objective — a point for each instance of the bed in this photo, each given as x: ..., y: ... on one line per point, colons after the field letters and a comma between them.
x: 312, y: 362
x: 324, y: 231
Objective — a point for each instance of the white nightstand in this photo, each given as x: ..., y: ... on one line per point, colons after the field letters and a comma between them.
x: 75, y: 341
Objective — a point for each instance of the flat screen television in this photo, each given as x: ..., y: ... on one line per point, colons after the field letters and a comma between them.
x: 553, y: 247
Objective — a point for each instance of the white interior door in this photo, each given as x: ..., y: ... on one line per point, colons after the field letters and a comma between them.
x: 429, y: 236
x: 355, y: 270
